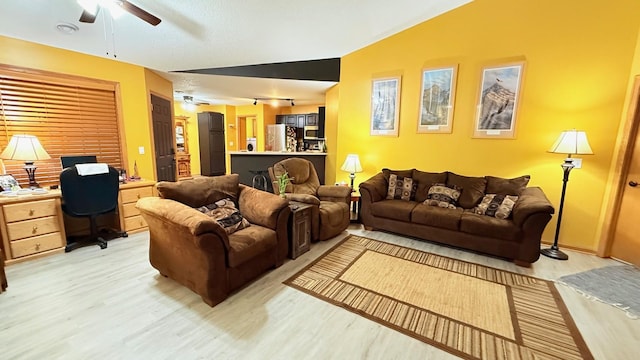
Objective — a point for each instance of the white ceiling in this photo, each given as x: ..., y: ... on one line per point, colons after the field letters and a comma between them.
x: 196, y: 34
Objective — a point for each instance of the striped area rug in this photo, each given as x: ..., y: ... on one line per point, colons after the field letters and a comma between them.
x: 469, y: 310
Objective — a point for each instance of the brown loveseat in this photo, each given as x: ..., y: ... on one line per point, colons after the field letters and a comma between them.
x: 191, y: 248
x: 516, y: 237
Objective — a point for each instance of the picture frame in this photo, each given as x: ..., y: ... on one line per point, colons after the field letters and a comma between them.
x: 385, y: 106
x: 8, y: 182
x: 498, y: 101
x: 437, y: 98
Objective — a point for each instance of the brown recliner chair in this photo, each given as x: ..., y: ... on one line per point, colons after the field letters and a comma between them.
x: 330, y: 214
x: 191, y: 248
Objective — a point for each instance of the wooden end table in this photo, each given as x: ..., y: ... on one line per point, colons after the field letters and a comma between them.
x: 355, y: 207
x: 299, y: 228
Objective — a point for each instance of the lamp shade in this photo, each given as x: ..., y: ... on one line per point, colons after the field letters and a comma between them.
x: 572, y: 142
x: 352, y: 164
x: 25, y: 148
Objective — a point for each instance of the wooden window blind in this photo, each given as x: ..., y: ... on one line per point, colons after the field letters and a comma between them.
x: 70, y: 116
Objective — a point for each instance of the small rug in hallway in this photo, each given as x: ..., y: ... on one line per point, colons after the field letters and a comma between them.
x: 617, y: 285
x: 469, y: 310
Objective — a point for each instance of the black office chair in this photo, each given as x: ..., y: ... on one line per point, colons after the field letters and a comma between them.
x: 89, y: 196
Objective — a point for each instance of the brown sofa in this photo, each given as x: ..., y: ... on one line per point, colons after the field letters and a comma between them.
x: 193, y: 249
x: 517, y: 237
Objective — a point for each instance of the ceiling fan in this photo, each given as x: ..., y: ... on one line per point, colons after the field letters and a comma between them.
x: 92, y: 7
x: 190, y: 100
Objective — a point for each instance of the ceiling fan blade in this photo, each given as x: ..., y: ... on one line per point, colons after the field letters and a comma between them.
x: 88, y: 17
x: 142, y: 14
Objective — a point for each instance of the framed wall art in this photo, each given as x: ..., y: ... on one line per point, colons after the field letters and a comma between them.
x: 498, y: 101
x: 437, y: 99
x: 385, y: 106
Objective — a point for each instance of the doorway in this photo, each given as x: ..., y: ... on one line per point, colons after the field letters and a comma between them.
x: 163, y: 137
x: 623, y: 242
x: 247, y: 128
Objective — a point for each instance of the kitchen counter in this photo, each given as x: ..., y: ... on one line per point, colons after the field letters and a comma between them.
x: 252, y: 165
x: 278, y: 153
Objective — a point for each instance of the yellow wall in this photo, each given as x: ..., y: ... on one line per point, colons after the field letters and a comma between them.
x: 133, y: 89
x: 578, y: 57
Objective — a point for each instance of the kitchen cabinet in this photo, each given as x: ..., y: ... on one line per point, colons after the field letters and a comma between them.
x: 311, y: 120
x: 298, y: 120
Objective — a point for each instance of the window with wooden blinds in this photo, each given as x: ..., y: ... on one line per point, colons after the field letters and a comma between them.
x: 70, y: 116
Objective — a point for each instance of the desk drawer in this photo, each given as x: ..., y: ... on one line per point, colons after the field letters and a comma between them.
x: 132, y: 195
x: 129, y: 210
x: 30, y: 210
x: 134, y: 222
x: 27, y: 228
x: 36, y: 244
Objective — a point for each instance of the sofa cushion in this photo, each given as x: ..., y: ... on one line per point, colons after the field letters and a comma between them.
x: 250, y: 242
x: 225, y: 213
x: 442, y: 196
x: 401, y: 188
x: 489, y: 226
x: 437, y: 216
x: 472, y: 189
x: 425, y: 181
x: 201, y: 190
x: 496, y: 205
x: 404, y: 173
x: 393, y: 209
x: 515, y: 186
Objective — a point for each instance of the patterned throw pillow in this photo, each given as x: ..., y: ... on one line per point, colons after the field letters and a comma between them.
x: 401, y: 188
x: 498, y: 206
x: 225, y: 213
x: 443, y: 196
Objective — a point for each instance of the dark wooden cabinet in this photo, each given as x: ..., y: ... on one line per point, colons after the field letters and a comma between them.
x: 298, y: 120
x: 311, y: 120
x: 289, y: 120
x: 212, y: 144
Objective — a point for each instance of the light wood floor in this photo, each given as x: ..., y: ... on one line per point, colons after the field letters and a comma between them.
x: 111, y: 304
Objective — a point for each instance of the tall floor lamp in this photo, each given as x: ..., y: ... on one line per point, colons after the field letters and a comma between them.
x: 570, y: 142
x: 28, y: 149
x: 352, y: 166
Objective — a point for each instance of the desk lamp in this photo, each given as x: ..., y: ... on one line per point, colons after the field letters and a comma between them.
x: 352, y: 166
x: 570, y: 142
x: 26, y: 148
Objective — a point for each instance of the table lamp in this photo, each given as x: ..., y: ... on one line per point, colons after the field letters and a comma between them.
x: 352, y: 166
x: 570, y: 142
x: 26, y: 148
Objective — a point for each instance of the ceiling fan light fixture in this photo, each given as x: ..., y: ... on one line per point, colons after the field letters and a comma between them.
x: 292, y: 104
x: 115, y: 7
x: 255, y: 101
x: 188, y: 99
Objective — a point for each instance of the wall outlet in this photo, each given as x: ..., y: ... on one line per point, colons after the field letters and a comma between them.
x: 577, y: 163
x: 141, y: 150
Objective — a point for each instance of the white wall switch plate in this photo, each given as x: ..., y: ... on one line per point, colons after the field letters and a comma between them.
x: 230, y: 143
x: 577, y: 162
x: 141, y: 150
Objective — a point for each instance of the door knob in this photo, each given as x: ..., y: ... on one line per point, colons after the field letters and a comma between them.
x: 633, y: 183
